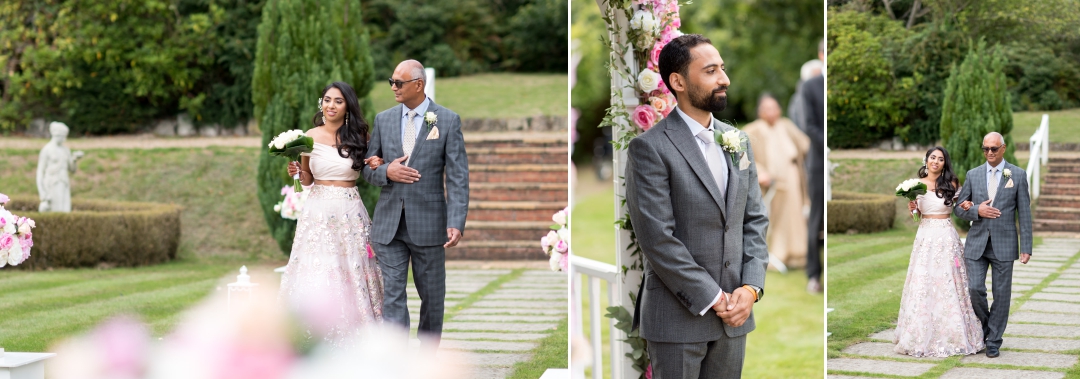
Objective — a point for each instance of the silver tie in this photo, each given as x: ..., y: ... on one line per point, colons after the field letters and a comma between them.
x: 410, y: 136
x: 715, y: 161
x: 993, y: 184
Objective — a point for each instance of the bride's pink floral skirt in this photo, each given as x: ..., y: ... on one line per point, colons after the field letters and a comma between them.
x: 331, y: 281
x: 936, y: 318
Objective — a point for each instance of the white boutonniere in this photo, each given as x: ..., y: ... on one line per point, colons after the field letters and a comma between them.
x: 431, y: 119
x: 734, y: 143
x: 1007, y: 173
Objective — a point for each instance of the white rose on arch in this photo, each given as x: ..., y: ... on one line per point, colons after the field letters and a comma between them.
x: 646, y: 25
x: 648, y: 80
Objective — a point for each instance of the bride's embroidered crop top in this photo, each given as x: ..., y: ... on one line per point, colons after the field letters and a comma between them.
x: 931, y: 204
x: 327, y: 164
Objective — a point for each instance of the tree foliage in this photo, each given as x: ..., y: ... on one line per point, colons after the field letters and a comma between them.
x: 866, y: 99
x: 976, y: 103
x: 303, y: 46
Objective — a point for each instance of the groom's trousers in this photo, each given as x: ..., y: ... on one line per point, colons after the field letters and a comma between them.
x: 722, y: 358
x: 429, y: 275
x: 995, y: 317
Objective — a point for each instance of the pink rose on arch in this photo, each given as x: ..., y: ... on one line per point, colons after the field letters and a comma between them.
x: 27, y: 241
x: 660, y: 104
x: 562, y: 247
x: 564, y: 262
x: 654, y: 55
x: 644, y: 116
x: 6, y: 240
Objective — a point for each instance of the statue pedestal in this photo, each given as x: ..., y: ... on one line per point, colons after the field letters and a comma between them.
x: 23, y: 365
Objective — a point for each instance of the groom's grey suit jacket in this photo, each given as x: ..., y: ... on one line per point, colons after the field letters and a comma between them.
x: 695, y: 243
x: 1013, y: 202
x: 429, y: 211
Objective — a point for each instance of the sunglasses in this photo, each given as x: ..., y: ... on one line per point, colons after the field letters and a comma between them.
x: 400, y: 83
x: 991, y: 149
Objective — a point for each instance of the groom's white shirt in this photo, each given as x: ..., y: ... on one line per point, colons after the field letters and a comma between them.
x: 696, y: 128
x: 420, y: 109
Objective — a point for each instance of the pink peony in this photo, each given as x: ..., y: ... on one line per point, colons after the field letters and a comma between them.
x: 123, y: 344
x: 561, y: 247
x: 6, y: 240
x: 654, y: 56
x: 564, y: 262
x: 27, y: 242
x: 644, y: 116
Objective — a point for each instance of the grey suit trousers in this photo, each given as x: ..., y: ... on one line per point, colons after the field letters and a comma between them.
x: 995, y: 317
x: 722, y: 358
x: 429, y: 275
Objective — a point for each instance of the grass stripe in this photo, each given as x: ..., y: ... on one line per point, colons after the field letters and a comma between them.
x: 552, y: 352
x: 88, y: 291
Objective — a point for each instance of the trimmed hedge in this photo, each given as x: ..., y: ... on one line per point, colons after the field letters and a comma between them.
x: 861, y: 212
x: 99, y: 231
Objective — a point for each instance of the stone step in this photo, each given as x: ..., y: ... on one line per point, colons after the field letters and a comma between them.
x: 521, y: 125
x: 511, y: 191
x: 519, y: 173
x: 515, y: 139
x: 1060, y: 189
x: 1062, y: 178
x: 519, y: 155
x: 497, y: 250
x: 1043, y: 224
x: 1059, y: 201
x: 507, y: 230
x: 513, y: 210
x: 1058, y: 167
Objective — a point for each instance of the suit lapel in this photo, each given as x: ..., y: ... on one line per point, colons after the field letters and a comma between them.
x: 733, y: 173
x: 395, y: 127
x: 679, y: 134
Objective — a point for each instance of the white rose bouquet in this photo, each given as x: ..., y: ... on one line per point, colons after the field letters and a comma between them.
x: 911, y: 189
x: 290, y: 144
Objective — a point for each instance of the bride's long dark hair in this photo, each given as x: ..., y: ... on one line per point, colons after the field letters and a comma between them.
x: 946, y: 182
x: 352, y: 136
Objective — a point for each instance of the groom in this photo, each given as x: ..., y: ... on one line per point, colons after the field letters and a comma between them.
x: 1000, y: 193
x: 415, y: 219
x: 700, y: 223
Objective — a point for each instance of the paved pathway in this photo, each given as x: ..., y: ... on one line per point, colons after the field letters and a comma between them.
x: 494, y: 331
x: 1041, y: 339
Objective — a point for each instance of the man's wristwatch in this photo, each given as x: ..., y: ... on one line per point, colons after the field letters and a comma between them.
x: 758, y: 292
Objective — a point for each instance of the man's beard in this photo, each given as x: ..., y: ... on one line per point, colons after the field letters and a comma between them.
x: 707, y: 100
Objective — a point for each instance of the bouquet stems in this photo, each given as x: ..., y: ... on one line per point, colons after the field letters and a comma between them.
x: 915, y: 215
x: 297, y: 186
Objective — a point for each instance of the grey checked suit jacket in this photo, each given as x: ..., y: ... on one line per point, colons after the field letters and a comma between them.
x: 1012, y: 202
x: 429, y: 210
x: 694, y: 242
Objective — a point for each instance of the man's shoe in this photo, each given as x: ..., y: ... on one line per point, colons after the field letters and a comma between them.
x: 814, y: 285
x: 992, y: 352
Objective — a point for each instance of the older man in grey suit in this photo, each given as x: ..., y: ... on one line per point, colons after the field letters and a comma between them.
x: 1000, y: 193
x: 415, y: 220
x: 696, y: 208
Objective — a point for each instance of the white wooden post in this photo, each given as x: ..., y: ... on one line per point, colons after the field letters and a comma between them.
x: 429, y: 85
x: 620, y: 88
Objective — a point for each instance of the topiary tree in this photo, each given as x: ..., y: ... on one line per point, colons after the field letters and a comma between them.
x: 976, y: 103
x: 303, y: 46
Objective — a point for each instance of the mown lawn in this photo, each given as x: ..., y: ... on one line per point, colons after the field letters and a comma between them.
x: 498, y: 95
x: 789, y: 335
x: 1064, y: 125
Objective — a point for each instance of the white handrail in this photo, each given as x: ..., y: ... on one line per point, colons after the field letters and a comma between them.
x: 595, y: 272
x: 1039, y: 146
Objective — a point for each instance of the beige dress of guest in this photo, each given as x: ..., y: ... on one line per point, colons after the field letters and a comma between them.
x: 780, y: 150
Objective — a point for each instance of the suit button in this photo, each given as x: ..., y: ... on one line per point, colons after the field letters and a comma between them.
x: 727, y: 264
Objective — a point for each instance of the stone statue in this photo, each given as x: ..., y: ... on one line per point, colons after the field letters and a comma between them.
x: 54, y: 164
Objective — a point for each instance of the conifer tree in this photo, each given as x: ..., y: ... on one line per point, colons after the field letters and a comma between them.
x: 976, y: 103
x: 304, y: 45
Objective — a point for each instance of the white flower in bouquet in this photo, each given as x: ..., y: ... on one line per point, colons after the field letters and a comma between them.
x: 14, y: 254
x: 564, y: 234
x: 24, y: 226
x: 907, y: 185
x: 648, y: 80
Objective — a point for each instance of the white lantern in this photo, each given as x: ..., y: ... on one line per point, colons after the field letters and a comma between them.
x: 242, y: 288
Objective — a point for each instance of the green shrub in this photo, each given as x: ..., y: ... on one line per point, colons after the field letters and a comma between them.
x: 976, y: 103
x: 303, y: 46
x: 861, y: 212
x: 101, y: 232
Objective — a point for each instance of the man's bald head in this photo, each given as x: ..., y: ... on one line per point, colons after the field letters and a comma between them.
x: 411, y: 74
x: 993, y: 147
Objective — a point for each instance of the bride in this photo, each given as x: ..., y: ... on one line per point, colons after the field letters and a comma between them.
x: 333, y: 279
x: 936, y: 318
